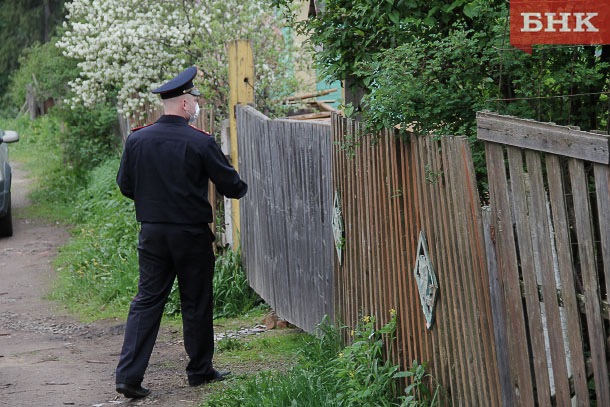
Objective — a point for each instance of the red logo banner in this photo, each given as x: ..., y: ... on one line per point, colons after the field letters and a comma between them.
x: 559, y: 22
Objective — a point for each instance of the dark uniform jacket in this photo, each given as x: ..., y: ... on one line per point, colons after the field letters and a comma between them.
x: 165, y: 169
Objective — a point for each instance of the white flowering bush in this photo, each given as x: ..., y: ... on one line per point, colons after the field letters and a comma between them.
x: 129, y: 47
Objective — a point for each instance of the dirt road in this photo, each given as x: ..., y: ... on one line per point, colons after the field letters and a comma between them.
x: 48, y: 358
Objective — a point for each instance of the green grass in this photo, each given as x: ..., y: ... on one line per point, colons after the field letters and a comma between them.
x: 327, y: 373
x: 260, y: 348
x: 39, y: 151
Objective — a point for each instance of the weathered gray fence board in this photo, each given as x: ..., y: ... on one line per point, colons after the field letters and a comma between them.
x: 542, y: 233
x: 286, y: 235
x: 521, y: 187
x: 543, y: 137
x: 590, y: 280
x: 602, y: 183
x: 564, y: 260
x: 498, y: 311
x: 552, y: 241
x: 520, y: 377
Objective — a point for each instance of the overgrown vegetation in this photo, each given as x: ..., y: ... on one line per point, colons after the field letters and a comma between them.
x: 430, y: 65
x: 44, y: 72
x: 331, y: 374
x: 24, y: 22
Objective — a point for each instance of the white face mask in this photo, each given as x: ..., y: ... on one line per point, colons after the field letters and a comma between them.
x: 195, y: 115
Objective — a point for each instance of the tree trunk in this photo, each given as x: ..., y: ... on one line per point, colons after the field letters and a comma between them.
x: 46, y: 35
x: 353, y: 93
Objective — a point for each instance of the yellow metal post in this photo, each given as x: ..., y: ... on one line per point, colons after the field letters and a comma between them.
x: 241, y: 85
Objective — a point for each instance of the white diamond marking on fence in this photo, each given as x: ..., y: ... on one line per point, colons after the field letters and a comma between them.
x: 426, y: 280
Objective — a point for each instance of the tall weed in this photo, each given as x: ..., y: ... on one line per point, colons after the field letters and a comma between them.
x: 232, y: 293
x: 333, y: 375
x: 99, y: 265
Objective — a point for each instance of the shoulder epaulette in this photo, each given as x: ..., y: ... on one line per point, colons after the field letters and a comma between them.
x: 199, y: 130
x: 140, y: 127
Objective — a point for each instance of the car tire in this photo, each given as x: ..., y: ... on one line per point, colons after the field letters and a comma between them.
x: 6, y: 223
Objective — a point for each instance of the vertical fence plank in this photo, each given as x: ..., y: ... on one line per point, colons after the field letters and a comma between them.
x: 475, y: 272
x: 505, y: 391
x: 591, y: 289
x: 483, y: 314
x: 522, y: 202
x: 465, y: 283
x: 414, y: 306
x: 367, y: 232
x: 351, y: 242
x: 461, y: 321
x: 396, y: 230
x: 542, y: 244
x: 564, y: 259
x: 602, y: 187
x: 407, y: 226
x: 355, y: 239
x: 521, y: 380
x: 341, y: 189
x: 448, y: 311
x: 418, y: 323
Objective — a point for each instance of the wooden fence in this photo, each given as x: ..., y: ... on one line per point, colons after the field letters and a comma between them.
x: 395, y: 191
x: 286, y: 235
x: 550, y: 200
x: 515, y: 308
x: 151, y: 112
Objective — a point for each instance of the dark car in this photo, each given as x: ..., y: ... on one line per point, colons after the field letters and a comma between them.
x: 6, y: 221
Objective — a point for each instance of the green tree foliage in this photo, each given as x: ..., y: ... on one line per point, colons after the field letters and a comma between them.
x: 46, y: 70
x: 430, y: 65
x: 348, y: 32
x: 22, y: 23
x: 87, y: 135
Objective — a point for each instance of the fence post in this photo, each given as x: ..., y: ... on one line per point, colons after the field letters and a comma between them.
x: 241, y: 91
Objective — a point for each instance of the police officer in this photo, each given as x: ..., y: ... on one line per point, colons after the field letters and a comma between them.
x: 165, y: 169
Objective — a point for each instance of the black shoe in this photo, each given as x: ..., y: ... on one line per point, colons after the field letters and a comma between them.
x: 132, y: 392
x: 216, y: 376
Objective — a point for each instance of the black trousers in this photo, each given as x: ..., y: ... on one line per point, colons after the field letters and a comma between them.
x: 164, y: 252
